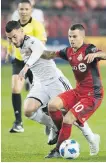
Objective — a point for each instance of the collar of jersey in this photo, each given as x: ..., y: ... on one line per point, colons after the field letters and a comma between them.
x: 22, y: 25
x: 23, y: 41
x: 78, y: 48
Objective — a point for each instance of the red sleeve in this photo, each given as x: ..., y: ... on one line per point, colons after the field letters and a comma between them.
x: 62, y: 54
x: 58, y: 53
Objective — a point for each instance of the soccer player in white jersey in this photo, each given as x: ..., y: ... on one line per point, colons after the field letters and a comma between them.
x: 36, y: 13
x: 48, y: 80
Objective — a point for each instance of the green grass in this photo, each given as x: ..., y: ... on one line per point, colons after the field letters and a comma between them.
x: 31, y: 146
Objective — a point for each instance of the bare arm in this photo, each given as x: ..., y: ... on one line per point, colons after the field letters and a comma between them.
x: 90, y: 57
x: 23, y: 71
x: 101, y: 55
x: 48, y: 54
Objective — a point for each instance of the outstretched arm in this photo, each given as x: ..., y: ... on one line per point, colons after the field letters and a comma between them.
x: 90, y: 57
x: 48, y: 54
x: 23, y: 71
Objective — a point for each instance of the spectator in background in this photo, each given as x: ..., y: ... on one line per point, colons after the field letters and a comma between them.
x: 92, y: 4
x: 58, y: 4
x: 36, y: 13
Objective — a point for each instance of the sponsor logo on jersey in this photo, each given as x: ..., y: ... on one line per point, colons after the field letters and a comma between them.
x: 82, y: 67
x: 80, y: 57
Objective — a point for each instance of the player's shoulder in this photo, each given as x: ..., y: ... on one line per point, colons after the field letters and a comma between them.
x: 64, y: 50
x: 37, y: 25
x: 90, y: 48
x: 69, y: 49
x: 30, y: 40
x: 36, y: 22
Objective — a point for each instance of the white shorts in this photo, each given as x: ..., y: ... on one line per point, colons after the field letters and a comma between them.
x: 44, y: 92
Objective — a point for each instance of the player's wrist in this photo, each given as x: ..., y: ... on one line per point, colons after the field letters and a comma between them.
x: 27, y: 65
x: 96, y: 55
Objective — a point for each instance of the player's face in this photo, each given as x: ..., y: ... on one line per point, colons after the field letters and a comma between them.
x: 16, y: 37
x: 25, y: 11
x: 76, y: 38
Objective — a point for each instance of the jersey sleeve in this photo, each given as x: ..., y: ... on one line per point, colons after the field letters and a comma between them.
x: 62, y: 54
x: 92, y: 49
x: 39, y: 31
x: 37, y: 48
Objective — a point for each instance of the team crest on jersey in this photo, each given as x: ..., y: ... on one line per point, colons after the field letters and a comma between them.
x: 32, y: 42
x: 70, y: 58
x: 80, y: 57
x: 83, y: 119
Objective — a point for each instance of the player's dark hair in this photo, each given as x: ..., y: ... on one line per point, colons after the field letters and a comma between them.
x: 77, y: 26
x: 24, y: 1
x: 11, y: 25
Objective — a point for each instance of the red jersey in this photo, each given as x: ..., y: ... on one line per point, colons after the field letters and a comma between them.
x: 87, y: 75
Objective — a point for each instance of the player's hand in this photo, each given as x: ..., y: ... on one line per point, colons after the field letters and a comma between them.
x: 7, y: 58
x: 90, y: 57
x: 22, y: 75
x: 23, y: 72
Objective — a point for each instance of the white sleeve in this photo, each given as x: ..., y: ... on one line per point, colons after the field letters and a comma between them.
x: 37, y: 49
x: 41, y: 17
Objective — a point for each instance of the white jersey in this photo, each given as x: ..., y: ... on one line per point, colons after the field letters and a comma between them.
x: 45, y: 70
x: 36, y: 14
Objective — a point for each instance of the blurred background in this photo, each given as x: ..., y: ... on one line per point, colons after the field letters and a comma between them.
x: 58, y: 15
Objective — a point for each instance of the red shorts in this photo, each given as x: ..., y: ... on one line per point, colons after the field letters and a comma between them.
x: 81, y: 107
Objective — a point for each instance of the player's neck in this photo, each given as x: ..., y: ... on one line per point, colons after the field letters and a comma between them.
x: 77, y: 48
x: 24, y: 21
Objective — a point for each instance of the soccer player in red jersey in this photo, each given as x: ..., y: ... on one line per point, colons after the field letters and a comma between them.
x: 81, y: 102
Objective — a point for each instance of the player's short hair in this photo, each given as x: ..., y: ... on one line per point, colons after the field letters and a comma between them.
x: 24, y: 1
x: 77, y: 26
x: 11, y: 25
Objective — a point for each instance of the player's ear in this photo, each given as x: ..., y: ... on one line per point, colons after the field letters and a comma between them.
x: 31, y: 10
x: 83, y: 34
x: 84, y: 37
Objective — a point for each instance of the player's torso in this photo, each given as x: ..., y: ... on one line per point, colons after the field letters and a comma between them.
x: 77, y: 62
x: 43, y: 69
x: 46, y: 71
x: 87, y: 75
